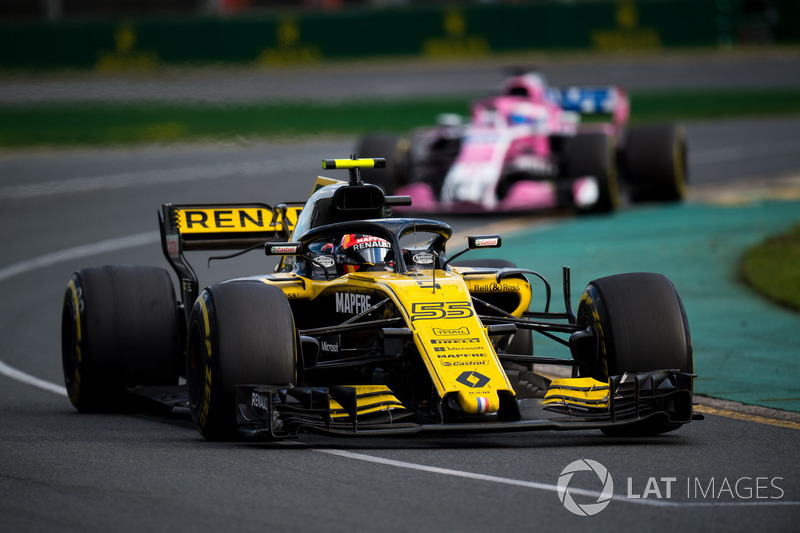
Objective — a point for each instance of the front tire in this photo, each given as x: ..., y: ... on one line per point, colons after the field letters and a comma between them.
x: 640, y: 325
x: 239, y: 333
x: 119, y: 328
x: 593, y: 154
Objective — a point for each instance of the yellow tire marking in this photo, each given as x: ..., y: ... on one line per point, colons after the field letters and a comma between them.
x: 207, y: 377
x: 76, y: 378
x: 206, y: 326
x: 74, y: 292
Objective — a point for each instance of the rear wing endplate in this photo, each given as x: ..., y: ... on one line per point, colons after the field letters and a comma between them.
x: 197, y: 227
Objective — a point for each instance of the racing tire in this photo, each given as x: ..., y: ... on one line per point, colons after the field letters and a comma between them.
x: 640, y: 325
x: 593, y: 154
x: 120, y: 327
x: 521, y: 343
x: 654, y: 163
x: 390, y: 147
x: 239, y: 333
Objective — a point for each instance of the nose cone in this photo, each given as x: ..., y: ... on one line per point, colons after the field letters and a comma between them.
x: 478, y: 401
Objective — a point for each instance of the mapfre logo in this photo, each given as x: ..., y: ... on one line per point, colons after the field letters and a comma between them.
x: 566, y: 493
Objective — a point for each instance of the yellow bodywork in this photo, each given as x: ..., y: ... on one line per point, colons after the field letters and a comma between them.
x: 447, y: 332
x: 369, y: 399
x: 583, y: 392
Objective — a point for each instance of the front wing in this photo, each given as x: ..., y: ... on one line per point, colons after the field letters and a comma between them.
x: 272, y: 412
x: 524, y: 196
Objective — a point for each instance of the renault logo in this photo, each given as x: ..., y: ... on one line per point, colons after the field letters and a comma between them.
x: 473, y: 380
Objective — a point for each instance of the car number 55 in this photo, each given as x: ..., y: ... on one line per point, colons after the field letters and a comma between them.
x: 440, y: 310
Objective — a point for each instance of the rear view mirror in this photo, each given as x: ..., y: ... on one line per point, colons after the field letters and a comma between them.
x: 476, y: 242
x: 484, y: 241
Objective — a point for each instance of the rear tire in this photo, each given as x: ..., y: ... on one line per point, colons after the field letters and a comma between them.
x: 641, y: 326
x: 119, y: 328
x: 390, y: 147
x: 654, y: 162
x: 593, y: 154
x: 239, y: 333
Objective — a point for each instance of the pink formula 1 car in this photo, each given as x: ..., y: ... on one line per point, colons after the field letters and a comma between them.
x: 526, y: 149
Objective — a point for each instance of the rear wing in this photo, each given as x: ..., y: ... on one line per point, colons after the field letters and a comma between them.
x: 609, y: 100
x: 226, y: 226
x: 198, y: 227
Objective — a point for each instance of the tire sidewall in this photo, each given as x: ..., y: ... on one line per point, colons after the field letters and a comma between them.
x: 76, y: 356
x: 222, y: 353
x: 640, y: 325
x: 119, y: 328
x: 655, y: 162
x: 592, y: 313
x: 593, y: 154
x: 202, y: 371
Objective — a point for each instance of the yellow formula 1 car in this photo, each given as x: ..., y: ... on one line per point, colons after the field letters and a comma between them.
x: 369, y: 326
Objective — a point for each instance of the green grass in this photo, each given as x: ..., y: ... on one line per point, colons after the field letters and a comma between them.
x: 699, y: 105
x: 134, y: 123
x: 773, y: 268
x: 110, y: 124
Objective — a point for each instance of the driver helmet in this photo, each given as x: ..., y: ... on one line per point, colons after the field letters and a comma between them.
x: 522, y: 115
x: 358, y: 252
x: 532, y: 85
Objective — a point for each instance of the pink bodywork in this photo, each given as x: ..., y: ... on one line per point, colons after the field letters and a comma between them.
x: 512, y: 129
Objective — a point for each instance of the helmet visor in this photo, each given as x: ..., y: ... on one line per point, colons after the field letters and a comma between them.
x: 366, y: 250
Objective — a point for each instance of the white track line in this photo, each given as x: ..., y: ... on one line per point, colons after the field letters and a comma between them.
x: 27, y: 379
x: 280, y: 164
x: 123, y: 180
x: 51, y: 387
x: 544, y: 486
x: 79, y: 252
x: 50, y: 259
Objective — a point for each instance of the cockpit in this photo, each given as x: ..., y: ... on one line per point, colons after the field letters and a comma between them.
x: 404, y: 246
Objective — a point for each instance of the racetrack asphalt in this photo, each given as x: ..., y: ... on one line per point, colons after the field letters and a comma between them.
x: 745, y: 347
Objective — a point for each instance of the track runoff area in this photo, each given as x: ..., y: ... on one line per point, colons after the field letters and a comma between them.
x: 744, y: 352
